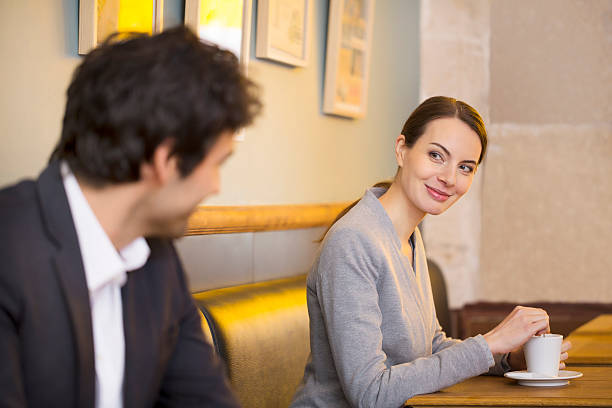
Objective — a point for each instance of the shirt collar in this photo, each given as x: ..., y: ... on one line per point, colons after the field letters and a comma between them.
x: 101, y: 261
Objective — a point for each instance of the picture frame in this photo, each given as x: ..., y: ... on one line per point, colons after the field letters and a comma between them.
x: 226, y: 23
x: 217, y: 22
x: 98, y: 19
x: 347, y: 63
x: 283, y: 31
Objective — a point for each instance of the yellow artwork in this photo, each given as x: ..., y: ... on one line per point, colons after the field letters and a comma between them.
x: 136, y: 15
x: 124, y: 16
x: 98, y: 19
x: 217, y: 21
x: 225, y: 13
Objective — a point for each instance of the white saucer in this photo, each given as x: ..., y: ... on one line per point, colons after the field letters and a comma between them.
x: 540, y: 380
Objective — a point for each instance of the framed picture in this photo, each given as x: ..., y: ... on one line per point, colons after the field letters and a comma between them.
x: 347, y: 64
x: 100, y: 18
x: 283, y: 31
x: 226, y: 23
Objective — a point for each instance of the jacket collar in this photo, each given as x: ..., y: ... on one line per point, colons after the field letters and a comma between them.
x: 69, y: 268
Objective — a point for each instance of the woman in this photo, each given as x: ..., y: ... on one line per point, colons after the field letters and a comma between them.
x: 375, y: 339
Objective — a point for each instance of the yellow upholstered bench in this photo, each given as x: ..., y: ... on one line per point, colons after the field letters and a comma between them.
x: 261, y: 331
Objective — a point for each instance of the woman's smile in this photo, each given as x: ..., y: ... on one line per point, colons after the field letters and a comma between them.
x: 436, y: 194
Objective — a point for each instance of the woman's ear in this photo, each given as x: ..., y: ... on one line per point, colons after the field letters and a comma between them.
x: 400, y: 149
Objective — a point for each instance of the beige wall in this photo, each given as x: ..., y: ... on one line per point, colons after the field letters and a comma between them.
x: 455, y: 62
x: 38, y: 53
x: 540, y: 218
x: 293, y: 154
x: 547, y: 204
x: 551, y: 62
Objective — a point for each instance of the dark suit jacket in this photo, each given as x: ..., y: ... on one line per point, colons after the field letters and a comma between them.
x: 46, y: 341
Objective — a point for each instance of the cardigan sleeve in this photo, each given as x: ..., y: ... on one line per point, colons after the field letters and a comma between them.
x: 441, y: 342
x: 346, y: 285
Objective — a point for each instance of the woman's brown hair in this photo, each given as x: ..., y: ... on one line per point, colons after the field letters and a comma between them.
x: 436, y: 107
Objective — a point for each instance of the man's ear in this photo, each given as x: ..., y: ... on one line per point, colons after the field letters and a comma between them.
x: 163, y: 165
x: 400, y: 149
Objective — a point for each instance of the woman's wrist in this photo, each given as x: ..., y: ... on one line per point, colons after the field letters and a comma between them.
x: 490, y: 339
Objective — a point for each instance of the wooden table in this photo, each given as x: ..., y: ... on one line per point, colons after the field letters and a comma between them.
x: 592, y: 343
x: 590, y: 350
x: 594, y: 389
x: 602, y: 324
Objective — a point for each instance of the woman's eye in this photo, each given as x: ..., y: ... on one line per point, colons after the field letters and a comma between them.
x: 466, y: 169
x: 435, y: 155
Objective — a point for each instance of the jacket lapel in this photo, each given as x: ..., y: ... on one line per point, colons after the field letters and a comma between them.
x: 69, y: 268
x: 141, y: 339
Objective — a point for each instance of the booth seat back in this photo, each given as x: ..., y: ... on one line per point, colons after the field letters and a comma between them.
x: 261, y: 331
x: 438, y: 287
x: 206, y: 328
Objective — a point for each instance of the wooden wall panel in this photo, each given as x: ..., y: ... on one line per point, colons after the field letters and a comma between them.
x: 230, y: 219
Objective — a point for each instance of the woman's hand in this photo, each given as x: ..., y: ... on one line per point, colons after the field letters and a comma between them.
x: 518, y: 327
x: 564, y: 349
x: 516, y: 359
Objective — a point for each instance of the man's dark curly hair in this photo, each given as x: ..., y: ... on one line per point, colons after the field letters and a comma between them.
x: 131, y: 94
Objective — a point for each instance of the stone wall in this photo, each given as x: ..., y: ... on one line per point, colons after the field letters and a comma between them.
x: 547, y: 202
x: 538, y: 221
x: 455, y: 62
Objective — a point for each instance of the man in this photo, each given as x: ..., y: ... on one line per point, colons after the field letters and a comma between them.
x: 92, y: 313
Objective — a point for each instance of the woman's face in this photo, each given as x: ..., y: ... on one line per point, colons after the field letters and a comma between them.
x: 439, y: 168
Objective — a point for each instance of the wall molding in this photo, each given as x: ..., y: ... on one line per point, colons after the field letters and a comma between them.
x: 232, y: 219
x: 565, y: 317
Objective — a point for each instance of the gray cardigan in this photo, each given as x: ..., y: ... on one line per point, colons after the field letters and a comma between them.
x: 374, y: 337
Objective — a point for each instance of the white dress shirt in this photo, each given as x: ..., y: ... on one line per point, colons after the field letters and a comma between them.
x: 105, y: 271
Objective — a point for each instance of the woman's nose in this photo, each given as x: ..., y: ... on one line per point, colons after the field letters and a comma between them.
x: 447, y: 177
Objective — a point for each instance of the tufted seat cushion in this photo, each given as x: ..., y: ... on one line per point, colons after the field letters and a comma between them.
x: 261, y: 331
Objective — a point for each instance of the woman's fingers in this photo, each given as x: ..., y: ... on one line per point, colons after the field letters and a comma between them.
x: 541, y: 324
x: 566, y: 345
x: 518, y: 327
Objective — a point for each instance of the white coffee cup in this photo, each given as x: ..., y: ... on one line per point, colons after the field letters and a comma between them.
x: 542, y: 354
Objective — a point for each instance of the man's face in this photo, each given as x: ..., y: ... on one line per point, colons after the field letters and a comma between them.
x: 179, y: 196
